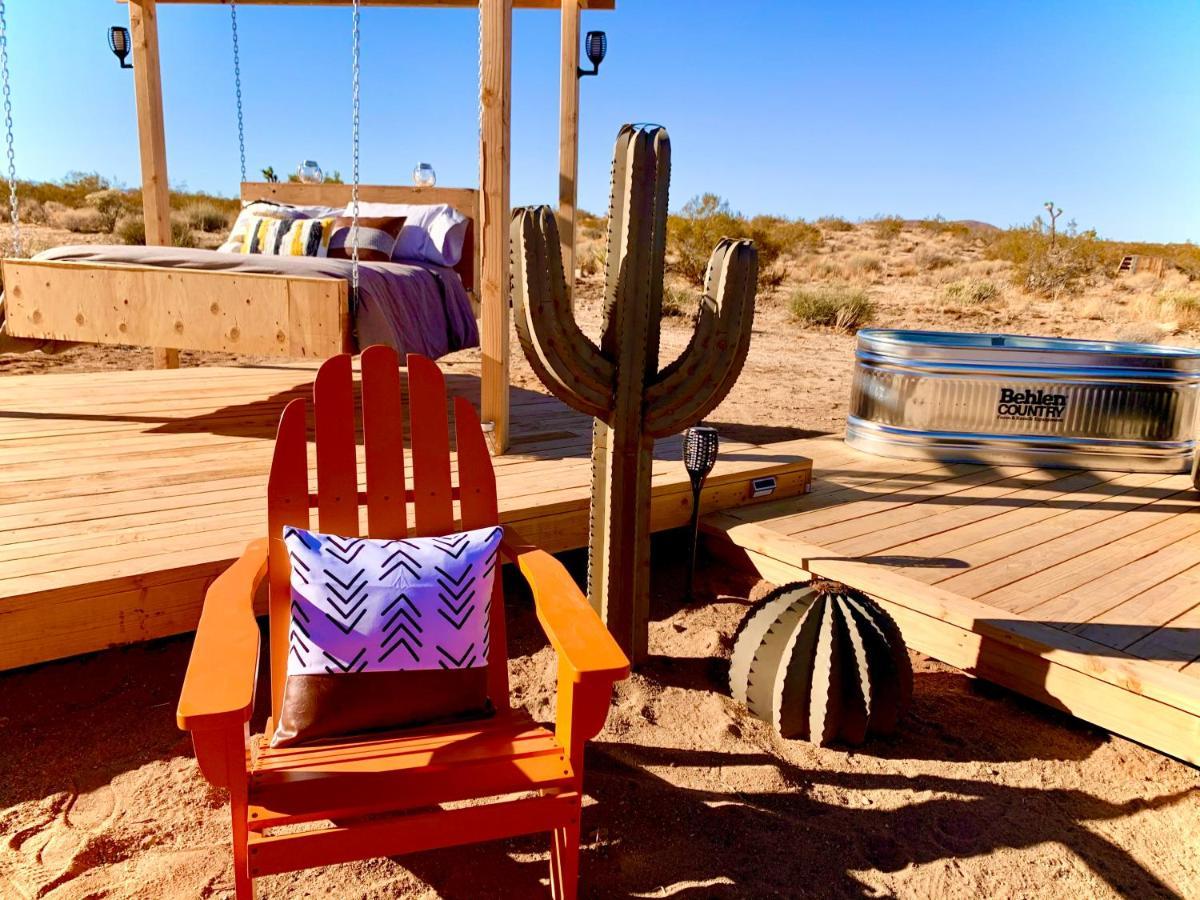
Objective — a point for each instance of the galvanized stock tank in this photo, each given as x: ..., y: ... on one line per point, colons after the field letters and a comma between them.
x: 1004, y: 399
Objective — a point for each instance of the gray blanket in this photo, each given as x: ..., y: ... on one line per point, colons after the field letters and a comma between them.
x: 415, y: 307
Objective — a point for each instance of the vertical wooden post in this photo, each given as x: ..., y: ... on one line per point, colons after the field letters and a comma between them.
x: 494, y: 159
x: 568, y: 139
x: 152, y: 141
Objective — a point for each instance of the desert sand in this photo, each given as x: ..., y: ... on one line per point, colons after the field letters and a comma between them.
x: 982, y: 793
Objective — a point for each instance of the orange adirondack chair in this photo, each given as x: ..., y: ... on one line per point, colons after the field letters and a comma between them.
x: 404, y: 772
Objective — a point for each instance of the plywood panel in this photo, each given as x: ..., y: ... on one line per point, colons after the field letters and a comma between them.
x: 264, y: 315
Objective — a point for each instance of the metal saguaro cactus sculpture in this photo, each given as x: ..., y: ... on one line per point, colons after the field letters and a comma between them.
x: 619, y: 382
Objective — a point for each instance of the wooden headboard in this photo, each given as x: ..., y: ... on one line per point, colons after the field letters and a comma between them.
x: 465, y: 200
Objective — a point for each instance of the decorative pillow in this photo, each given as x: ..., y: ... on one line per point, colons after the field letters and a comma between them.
x: 251, y: 216
x: 308, y: 237
x: 386, y: 634
x: 433, y: 232
x: 376, y: 237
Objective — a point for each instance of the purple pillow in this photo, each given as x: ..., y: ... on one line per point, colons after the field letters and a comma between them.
x: 386, y: 634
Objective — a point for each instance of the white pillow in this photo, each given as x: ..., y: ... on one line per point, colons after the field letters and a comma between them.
x: 433, y: 232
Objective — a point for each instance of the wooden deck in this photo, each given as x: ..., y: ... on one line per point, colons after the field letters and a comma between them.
x: 1078, y: 588
x: 123, y: 494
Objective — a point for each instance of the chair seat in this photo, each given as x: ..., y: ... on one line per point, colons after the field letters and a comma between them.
x: 505, y: 754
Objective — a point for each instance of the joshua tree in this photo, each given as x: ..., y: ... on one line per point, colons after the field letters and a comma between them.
x: 1055, y: 212
x: 269, y: 174
x: 619, y: 382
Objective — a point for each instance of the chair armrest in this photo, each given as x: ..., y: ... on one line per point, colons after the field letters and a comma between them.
x: 589, y: 659
x: 218, y: 688
x: 586, y: 650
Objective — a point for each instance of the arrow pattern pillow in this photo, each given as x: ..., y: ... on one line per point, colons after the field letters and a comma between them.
x: 386, y: 634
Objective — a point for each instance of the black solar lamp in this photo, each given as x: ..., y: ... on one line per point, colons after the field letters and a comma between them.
x: 700, y: 445
x: 118, y: 43
x: 596, y: 46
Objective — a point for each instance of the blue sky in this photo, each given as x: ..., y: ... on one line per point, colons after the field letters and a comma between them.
x: 976, y: 110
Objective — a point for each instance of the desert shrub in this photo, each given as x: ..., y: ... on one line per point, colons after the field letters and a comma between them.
x: 181, y: 233
x: 939, y: 225
x: 131, y: 230
x: 678, y: 303
x: 110, y: 203
x: 972, y: 292
x: 82, y: 221
x: 704, y: 220
x: 34, y: 212
x: 834, y: 223
x: 205, y: 216
x: 1182, y: 307
x: 1049, y: 268
x: 929, y: 259
x: 843, y: 307
x: 887, y: 228
x: 864, y: 263
x: 590, y: 225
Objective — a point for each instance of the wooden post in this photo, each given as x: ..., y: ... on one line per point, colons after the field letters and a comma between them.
x: 494, y: 158
x: 152, y: 141
x: 568, y: 140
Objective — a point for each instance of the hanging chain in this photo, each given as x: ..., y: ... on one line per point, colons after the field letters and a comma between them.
x: 8, y: 127
x: 355, y: 49
x: 237, y: 83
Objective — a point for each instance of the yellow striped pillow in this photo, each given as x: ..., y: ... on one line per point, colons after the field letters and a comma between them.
x: 307, y: 237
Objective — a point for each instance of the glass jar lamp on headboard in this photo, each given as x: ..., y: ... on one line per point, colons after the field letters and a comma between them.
x: 309, y: 172
x: 424, y: 176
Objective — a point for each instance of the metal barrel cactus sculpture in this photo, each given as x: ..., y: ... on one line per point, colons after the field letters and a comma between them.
x: 822, y: 662
x: 619, y: 382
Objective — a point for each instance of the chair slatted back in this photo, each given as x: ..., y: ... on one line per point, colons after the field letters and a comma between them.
x: 387, y: 496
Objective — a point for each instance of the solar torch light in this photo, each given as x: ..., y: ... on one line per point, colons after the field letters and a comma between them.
x: 118, y: 43
x: 700, y: 445
x: 596, y: 46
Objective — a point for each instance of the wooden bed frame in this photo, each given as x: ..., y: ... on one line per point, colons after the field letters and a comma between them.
x: 235, y: 312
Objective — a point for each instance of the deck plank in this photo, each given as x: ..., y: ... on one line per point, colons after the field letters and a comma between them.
x: 123, y: 494
x: 1080, y: 589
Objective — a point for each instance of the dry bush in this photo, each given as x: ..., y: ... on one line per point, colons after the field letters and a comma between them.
x: 972, y: 292
x: 706, y: 219
x: 678, y: 303
x: 110, y: 203
x: 929, y: 259
x: 131, y: 229
x: 1180, y: 307
x: 1140, y: 333
x: 203, y: 215
x: 34, y: 212
x: 939, y: 225
x: 837, y: 306
x: 864, y: 263
x: 887, y: 228
x: 82, y: 221
x: 834, y: 223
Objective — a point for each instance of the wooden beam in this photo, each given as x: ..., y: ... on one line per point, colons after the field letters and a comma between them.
x: 432, y: 4
x: 494, y: 161
x: 152, y: 140
x: 568, y: 139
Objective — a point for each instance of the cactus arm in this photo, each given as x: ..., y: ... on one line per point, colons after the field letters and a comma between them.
x: 570, y: 365
x: 694, y: 384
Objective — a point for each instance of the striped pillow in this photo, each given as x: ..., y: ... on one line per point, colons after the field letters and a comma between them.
x: 264, y: 235
x: 250, y: 218
x: 376, y: 237
x: 308, y: 237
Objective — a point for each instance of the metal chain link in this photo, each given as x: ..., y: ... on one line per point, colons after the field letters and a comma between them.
x: 355, y: 53
x: 8, y: 126
x: 237, y: 83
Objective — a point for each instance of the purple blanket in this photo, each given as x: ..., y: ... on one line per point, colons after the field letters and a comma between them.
x: 415, y: 307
